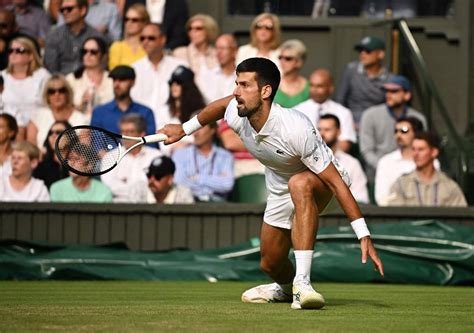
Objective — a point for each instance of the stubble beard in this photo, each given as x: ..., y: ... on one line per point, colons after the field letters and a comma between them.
x: 246, y: 112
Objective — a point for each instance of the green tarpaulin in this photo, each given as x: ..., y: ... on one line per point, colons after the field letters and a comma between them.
x: 427, y: 252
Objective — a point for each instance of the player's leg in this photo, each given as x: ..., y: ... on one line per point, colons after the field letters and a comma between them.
x: 275, y: 244
x: 310, y: 196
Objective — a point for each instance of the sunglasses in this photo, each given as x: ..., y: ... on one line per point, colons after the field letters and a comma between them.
x: 133, y: 19
x: 199, y: 28
x: 93, y: 52
x: 18, y: 50
x: 393, y: 90
x: 264, y: 26
x: 286, y: 58
x: 66, y: 9
x: 56, y: 132
x: 52, y: 91
x: 149, y: 38
x: 403, y: 130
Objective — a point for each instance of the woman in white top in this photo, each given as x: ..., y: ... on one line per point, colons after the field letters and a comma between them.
x: 265, y: 34
x: 91, y: 83
x: 200, y: 54
x: 59, y: 97
x: 24, y: 79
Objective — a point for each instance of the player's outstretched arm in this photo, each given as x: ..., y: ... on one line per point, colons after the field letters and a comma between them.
x: 330, y: 176
x: 211, y: 113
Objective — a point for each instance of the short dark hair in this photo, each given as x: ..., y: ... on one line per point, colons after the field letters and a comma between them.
x: 430, y: 138
x: 415, y: 123
x: 157, y: 25
x: 11, y: 124
x: 328, y: 116
x: 266, y: 72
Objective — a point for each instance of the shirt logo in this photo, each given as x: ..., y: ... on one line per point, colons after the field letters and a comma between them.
x: 279, y: 151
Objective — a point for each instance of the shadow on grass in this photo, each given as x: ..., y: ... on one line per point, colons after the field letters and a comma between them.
x: 349, y: 301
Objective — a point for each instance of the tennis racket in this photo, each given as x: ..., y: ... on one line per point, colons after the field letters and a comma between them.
x: 92, y: 151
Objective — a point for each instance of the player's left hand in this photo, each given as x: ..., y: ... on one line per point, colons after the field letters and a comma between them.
x: 367, y: 248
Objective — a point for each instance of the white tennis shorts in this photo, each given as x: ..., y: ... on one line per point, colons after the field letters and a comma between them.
x: 280, y: 210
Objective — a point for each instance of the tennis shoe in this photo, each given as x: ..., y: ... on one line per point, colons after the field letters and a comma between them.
x: 266, y: 293
x: 305, y: 297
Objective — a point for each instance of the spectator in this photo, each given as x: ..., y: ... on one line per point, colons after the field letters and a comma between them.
x: 129, y: 49
x: 205, y: 168
x: 294, y: 88
x: 32, y: 20
x: 63, y: 43
x: 78, y: 188
x: 90, y: 82
x: 8, y: 31
x: 329, y: 127
x: 50, y: 168
x: 20, y: 185
x: 377, y: 123
x: 104, y: 17
x: 200, y: 55
x: 58, y: 96
x: 8, y: 132
x: 389, y: 9
x: 108, y: 115
x: 320, y: 103
x: 400, y: 161
x: 223, y: 81
x: 170, y: 15
x: 425, y: 186
x: 24, y: 79
x: 130, y: 170
x: 362, y: 81
x: 264, y: 39
x: 153, y: 72
x: 161, y: 187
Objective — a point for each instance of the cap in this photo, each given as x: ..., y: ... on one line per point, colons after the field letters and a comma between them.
x: 370, y: 43
x: 397, y: 81
x: 122, y: 72
x: 181, y: 75
x: 161, y: 166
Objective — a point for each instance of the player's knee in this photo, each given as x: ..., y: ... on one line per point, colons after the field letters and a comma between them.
x: 300, y: 184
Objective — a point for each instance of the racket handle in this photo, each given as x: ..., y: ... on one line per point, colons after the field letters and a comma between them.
x: 155, y: 138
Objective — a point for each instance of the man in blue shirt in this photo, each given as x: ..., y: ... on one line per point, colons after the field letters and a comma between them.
x: 108, y: 115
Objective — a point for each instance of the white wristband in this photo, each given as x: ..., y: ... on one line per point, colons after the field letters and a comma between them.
x: 191, y: 126
x: 360, y: 228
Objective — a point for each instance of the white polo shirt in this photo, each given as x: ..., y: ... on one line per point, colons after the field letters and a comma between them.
x: 287, y: 144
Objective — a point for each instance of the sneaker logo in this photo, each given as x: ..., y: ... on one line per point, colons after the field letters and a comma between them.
x: 279, y: 151
x: 297, y: 296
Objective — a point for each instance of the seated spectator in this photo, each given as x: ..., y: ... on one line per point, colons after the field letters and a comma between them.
x: 90, y: 82
x: 377, y: 123
x: 24, y: 79
x: 320, y: 103
x: 265, y: 36
x: 32, y: 20
x: 8, y: 31
x: 131, y: 168
x: 244, y: 162
x: 222, y: 82
x: 161, y: 187
x: 200, y: 55
x: 20, y: 185
x: 108, y: 115
x: 400, y: 161
x: 104, y: 17
x: 78, y: 188
x: 58, y: 96
x: 154, y: 71
x: 63, y: 43
x: 426, y: 186
x: 129, y: 49
x: 205, y: 168
x: 50, y: 169
x: 329, y: 127
x: 294, y: 88
x: 362, y: 81
x: 8, y: 132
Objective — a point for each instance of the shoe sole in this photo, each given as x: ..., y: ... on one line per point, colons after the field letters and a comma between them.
x: 314, y: 301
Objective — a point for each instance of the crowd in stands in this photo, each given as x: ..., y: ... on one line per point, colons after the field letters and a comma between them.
x: 132, y: 66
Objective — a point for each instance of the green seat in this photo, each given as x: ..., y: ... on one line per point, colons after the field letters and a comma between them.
x: 249, y: 189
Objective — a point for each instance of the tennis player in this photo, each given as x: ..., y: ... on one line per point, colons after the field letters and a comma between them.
x: 302, y: 177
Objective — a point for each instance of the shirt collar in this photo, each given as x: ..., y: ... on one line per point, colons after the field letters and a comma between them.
x: 267, y: 128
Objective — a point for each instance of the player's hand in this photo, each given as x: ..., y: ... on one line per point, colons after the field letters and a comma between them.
x: 367, y: 248
x: 173, y: 131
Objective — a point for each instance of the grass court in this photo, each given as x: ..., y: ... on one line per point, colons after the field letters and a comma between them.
x: 109, y: 306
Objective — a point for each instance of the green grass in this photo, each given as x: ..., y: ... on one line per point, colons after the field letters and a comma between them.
x: 215, y: 307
